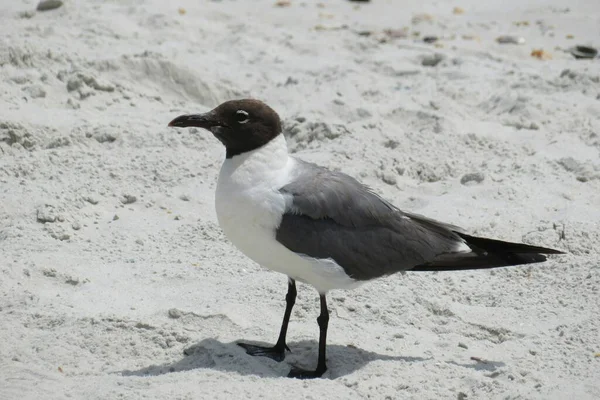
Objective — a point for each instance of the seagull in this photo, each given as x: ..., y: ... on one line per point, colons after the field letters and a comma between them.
x: 321, y: 227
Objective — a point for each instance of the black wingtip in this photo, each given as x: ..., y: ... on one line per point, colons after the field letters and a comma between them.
x: 488, y: 253
x: 471, y: 261
x: 500, y: 246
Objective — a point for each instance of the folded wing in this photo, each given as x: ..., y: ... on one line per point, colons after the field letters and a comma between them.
x: 331, y: 215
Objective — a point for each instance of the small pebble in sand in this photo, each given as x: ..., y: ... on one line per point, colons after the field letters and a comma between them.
x: 389, y: 178
x: 458, y: 11
x: 175, y: 313
x: 72, y: 280
x: 396, y: 33
x: 49, y: 272
x: 391, y: 144
x: 128, y: 199
x: 470, y: 37
x: 462, y: 345
x: 430, y: 39
x: 583, y: 52
x: 92, y: 200
x: 74, y: 84
x: 61, y: 236
x: 283, y: 3
x: 46, y: 214
x: 46, y: 5
x: 508, y: 39
x: 419, y: 18
x: 472, y: 178
x: 541, y: 54
x: 431, y: 60
x: 73, y: 104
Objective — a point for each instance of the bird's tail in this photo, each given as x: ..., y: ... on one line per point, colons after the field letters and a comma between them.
x: 487, y: 253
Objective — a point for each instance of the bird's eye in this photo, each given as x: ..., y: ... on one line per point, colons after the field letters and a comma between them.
x: 242, y: 116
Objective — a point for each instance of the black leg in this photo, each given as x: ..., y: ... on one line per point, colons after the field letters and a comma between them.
x: 277, y: 352
x: 323, y: 321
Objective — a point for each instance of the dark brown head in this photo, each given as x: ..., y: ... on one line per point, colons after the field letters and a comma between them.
x: 241, y: 125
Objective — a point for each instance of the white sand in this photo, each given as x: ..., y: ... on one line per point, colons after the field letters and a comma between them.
x: 100, y: 301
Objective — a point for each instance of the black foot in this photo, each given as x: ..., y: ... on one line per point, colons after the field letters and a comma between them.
x: 300, y: 373
x: 274, y: 353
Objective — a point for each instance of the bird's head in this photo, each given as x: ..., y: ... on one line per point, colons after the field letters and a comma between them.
x: 241, y: 125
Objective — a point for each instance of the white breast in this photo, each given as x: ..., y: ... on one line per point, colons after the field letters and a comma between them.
x: 249, y: 209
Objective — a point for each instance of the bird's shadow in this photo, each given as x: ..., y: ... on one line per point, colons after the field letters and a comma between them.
x: 213, y: 354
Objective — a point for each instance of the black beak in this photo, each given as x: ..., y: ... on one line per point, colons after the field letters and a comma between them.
x: 205, y: 121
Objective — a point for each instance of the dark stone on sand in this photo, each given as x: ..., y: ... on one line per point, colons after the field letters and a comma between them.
x: 472, y: 178
x: 432, y: 60
x: 46, y: 5
x: 583, y: 52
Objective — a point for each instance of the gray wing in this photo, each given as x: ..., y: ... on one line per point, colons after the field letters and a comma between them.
x: 334, y: 216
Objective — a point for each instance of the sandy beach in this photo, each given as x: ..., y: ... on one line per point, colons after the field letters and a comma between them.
x: 116, y: 281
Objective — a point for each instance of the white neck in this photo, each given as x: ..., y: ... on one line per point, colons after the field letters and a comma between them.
x: 256, y: 167
x: 248, y: 186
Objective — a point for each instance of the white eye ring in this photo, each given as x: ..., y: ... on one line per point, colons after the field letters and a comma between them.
x: 242, y: 116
